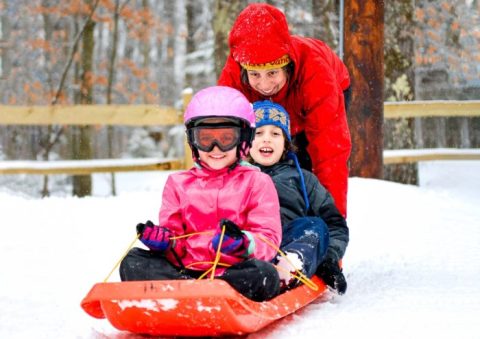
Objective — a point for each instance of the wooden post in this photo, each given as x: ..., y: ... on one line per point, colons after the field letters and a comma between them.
x: 188, y: 161
x: 364, y: 59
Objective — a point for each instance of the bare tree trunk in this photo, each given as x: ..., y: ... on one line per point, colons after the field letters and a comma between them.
x: 364, y: 59
x: 53, y: 136
x: 280, y: 4
x: 324, y: 22
x: 190, y: 43
x: 464, y: 133
x: 111, y: 74
x: 145, y: 47
x: 48, y: 28
x: 74, y: 131
x: 399, y: 85
x: 225, y: 13
x: 82, y: 184
x: 179, y: 49
x: 199, y: 44
x: 440, y: 129
x: 167, y: 58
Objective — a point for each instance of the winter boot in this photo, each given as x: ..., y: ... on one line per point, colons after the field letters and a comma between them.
x: 287, y: 268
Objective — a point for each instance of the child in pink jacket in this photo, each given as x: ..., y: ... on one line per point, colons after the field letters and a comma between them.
x: 220, y: 191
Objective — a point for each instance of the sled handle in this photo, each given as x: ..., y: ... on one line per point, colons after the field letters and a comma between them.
x: 121, y: 258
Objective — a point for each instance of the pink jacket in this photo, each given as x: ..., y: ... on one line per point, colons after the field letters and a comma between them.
x: 196, y: 200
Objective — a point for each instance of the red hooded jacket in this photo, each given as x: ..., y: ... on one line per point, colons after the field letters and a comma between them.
x: 313, y: 95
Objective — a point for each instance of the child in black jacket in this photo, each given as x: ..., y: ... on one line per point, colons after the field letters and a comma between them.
x: 315, y: 234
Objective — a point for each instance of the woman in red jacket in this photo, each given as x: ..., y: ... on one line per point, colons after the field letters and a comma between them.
x: 303, y: 75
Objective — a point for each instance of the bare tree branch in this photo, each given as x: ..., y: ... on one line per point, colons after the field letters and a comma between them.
x: 72, y: 53
x: 52, y: 140
x: 123, y: 6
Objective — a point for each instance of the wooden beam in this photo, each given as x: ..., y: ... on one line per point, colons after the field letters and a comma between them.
x: 83, y: 167
x: 434, y: 108
x: 133, y: 115
x: 187, y: 95
x: 404, y: 156
x: 143, y: 115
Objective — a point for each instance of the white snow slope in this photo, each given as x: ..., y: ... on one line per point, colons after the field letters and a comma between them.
x: 413, y: 263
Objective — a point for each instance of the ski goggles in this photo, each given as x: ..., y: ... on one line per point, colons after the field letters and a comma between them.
x: 205, y: 138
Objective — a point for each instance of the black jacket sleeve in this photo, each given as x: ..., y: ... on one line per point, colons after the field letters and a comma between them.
x: 322, y: 205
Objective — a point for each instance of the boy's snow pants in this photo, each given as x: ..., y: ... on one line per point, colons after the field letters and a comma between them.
x: 310, y: 237
x: 255, y: 279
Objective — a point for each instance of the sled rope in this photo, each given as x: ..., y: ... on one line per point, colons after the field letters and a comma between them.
x: 121, y: 258
x: 137, y: 236
x: 190, y: 234
x: 206, y: 263
x: 217, y: 255
x: 298, y: 274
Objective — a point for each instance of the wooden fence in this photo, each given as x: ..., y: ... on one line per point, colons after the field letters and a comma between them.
x: 141, y: 115
x: 83, y: 167
x: 124, y: 115
x: 436, y: 108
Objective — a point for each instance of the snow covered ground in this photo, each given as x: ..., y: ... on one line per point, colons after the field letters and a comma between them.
x: 413, y: 264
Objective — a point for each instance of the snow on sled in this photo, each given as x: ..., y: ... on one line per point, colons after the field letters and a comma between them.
x: 190, y: 307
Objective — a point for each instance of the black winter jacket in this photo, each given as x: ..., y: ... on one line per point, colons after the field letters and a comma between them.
x: 292, y: 204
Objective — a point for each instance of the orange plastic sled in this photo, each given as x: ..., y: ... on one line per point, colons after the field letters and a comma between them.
x: 190, y: 307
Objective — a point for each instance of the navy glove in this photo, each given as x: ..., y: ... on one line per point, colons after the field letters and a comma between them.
x: 156, y: 238
x: 235, y: 242
x: 332, y: 275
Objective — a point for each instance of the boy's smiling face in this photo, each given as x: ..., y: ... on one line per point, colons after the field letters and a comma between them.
x: 268, y: 145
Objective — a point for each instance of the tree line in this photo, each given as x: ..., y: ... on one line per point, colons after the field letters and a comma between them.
x: 147, y: 51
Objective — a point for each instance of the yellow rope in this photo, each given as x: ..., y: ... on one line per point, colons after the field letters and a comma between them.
x: 205, y: 273
x: 123, y: 256
x: 299, y: 275
x: 206, y: 263
x: 217, y: 255
x: 190, y: 234
x: 136, y: 238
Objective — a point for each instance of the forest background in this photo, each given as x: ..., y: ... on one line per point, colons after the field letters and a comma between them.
x: 148, y: 51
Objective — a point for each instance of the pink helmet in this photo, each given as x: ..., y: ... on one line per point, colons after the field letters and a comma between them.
x: 219, y: 101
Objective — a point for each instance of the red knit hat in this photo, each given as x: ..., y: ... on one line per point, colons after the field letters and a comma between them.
x: 260, y: 36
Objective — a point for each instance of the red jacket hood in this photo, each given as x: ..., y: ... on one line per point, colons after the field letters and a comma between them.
x: 260, y: 35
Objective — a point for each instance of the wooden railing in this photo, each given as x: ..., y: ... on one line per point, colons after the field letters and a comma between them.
x: 431, y: 108
x: 82, y: 167
x: 437, y: 108
x: 403, y: 156
x: 129, y: 115
x: 141, y: 115
x: 125, y: 115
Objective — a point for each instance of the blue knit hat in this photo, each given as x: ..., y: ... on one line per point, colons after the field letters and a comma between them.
x: 270, y: 113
